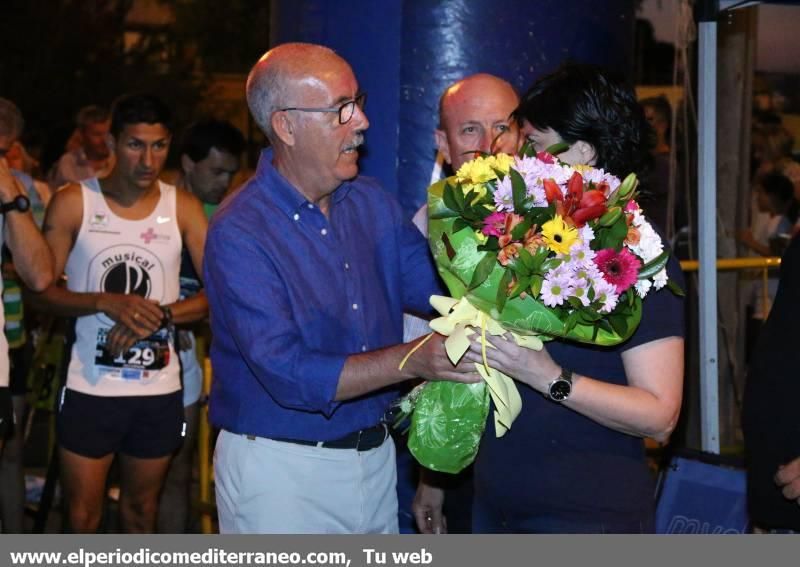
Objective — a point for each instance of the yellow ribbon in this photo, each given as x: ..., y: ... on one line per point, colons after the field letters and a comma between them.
x: 456, y: 323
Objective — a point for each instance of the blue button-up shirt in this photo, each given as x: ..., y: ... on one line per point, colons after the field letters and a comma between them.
x: 292, y: 294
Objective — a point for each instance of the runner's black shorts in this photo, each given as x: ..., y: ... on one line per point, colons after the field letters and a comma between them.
x: 144, y: 427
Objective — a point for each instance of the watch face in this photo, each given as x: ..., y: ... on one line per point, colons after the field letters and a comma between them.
x: 22, y: 203
x: 560, y: 390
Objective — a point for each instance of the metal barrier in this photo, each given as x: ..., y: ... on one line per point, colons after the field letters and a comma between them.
x: 206, y: 506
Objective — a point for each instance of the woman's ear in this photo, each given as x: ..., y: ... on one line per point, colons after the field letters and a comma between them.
x: 587, y: 151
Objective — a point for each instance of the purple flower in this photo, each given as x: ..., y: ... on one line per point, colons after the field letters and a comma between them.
x: 555, y: 291
x: 494, y: 224
x: 503, y: 195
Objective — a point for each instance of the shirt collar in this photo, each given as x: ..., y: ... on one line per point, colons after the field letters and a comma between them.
x: 283, y: 193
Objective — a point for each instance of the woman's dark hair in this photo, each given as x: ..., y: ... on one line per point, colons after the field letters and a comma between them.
x: 780, y: 191
x: 584, y: 102
x: 137, y: 109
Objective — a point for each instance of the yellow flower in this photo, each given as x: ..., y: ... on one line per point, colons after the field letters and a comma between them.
x: 582, y: 168
x: 558, y: 236
x: 501, y: 162
x: 476, y: 171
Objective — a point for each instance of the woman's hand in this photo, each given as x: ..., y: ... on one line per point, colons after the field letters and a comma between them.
x: 533, y: 367
x: 427, y: 506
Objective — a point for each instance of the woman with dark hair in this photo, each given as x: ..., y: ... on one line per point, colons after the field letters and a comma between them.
x: 574, y: 460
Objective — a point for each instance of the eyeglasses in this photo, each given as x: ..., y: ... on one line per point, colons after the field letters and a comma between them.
x: 346, y: 110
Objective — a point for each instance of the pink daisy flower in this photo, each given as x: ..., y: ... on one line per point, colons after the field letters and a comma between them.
x: 620, y: 269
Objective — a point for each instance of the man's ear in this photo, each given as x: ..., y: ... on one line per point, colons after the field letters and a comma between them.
x: 283, y: 127
x: 588, y: 153
x: 441, y: 144
x: 187, y: 165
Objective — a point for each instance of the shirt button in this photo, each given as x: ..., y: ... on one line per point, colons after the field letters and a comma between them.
x: 296, y: 217
x: 363, y: 348
x: 346, y: 265
x: 355, y: 306
x: 310, y: 206
x: 324, y: 231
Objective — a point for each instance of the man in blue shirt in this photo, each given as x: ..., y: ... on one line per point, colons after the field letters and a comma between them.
x: 308, y: 271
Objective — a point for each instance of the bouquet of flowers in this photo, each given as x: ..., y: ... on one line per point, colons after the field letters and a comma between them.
x: 533, y: 249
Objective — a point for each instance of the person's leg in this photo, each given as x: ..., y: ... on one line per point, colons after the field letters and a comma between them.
x: 12, y: 476
x: 142, y: 480
x: 153, y: 439
x: 84, y: 482
x: 175, y: 503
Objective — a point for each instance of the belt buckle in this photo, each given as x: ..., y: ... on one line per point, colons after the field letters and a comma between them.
x: 358, y: 441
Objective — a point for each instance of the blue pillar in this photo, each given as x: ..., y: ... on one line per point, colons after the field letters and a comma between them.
x: 406, y: 52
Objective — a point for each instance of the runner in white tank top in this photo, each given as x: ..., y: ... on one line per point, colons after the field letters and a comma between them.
x: 116, y: 255
x: 119, y: 241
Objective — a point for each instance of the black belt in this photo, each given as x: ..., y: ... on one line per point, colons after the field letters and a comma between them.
x: 362, y: 440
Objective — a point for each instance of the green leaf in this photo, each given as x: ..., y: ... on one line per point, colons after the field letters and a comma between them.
x: 527, y: 148
x: 518, y: 190
x: 445, y: 214
x: 526, y: 258
x: 460, y: 224
x: 491, y: 245
x: 502, y: 291
x: 552, y: 264
x: 613, y: 236
x: 482, y: 270
x: 575, y: 303
x: 675, y: 288
x: 449, y: 198
x: 539, y: 258
x: 519, y: 231
x: 557, y: 148
x: 521, y: 285
x: 571, y: 322
x: 458, y: 194
x: 654, y: 266
x: 536, y: 285
x: 619, y: 323
x: 469, y: 197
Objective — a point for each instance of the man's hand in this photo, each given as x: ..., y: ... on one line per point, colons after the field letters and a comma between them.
x: 427, y: 507
x: 120, y: 339
x: 10, y: 187
x: 788, y: 479
x: 430, y: 362
x: 139, y: 315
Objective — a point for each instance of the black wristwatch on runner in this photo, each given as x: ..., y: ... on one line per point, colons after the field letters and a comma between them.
x: 19, y: 203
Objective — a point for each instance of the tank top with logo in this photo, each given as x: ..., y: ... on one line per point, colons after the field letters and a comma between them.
x: 116, y: 255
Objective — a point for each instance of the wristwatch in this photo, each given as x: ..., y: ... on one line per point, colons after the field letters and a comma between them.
x: 19, y: 203
x: 559, y: 389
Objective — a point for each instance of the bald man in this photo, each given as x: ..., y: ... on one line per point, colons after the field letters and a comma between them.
x: 474, y: 118
x: 309, y: 268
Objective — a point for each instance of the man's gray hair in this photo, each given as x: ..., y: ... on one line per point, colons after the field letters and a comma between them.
x: 91, y: 114
x: 268, y: 85
x: 11, y: 121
